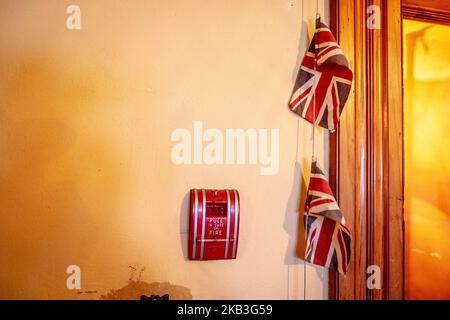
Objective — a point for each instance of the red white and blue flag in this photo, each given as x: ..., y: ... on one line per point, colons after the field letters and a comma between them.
x: 324, y: 81
x: 327, y: 238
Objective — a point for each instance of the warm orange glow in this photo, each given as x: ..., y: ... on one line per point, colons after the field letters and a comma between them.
x: 427, y: 160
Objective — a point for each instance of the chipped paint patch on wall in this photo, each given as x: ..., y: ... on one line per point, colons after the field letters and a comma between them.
x: 135, y: 289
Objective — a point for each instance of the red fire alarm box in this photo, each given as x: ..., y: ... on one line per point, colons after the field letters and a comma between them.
x: 213, y: 224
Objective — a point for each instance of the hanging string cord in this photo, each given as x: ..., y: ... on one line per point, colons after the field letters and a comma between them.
x: 316, y: 51
x: 317, y: 22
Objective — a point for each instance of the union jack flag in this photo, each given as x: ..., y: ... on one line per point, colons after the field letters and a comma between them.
x: 324, y: 81
x: 327, y: 238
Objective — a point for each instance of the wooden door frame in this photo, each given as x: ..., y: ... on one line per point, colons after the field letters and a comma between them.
x: 366, y: 152
x: 427, y: 11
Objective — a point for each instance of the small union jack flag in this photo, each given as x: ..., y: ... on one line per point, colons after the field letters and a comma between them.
x: 324, y: 81
x: 327, y: 238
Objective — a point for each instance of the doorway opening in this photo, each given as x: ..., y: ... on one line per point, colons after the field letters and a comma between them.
x: 426, y: 78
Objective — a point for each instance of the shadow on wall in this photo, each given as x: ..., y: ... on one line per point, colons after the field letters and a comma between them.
x: 295, y: 228
x: 293, y: 220
x: 301, y: 49
x: 184, y: 224
x: 59, y: 178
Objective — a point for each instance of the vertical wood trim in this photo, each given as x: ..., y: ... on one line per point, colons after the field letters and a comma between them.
x: 366, y: 152
x: 360, y: 136
x: 378, y: 164
x: 346, y: 171
x: 395, y: 157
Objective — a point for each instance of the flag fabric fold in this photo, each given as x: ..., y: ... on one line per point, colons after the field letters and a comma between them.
x: 324, y: 81
x: 327, y: 237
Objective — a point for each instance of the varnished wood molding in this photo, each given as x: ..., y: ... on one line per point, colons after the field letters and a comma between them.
x: 426, y: 10
x: 366, y: 152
